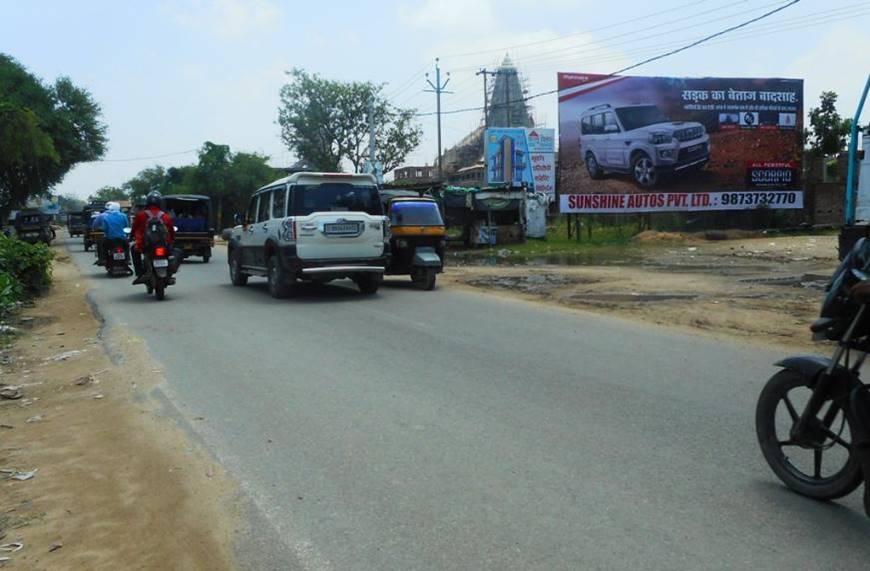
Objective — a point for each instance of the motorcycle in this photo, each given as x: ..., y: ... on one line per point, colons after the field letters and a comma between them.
x: 813, y: 417
x: 117, y: 261
x: 160, y: 262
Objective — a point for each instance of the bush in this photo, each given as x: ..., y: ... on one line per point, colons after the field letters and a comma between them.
x: 25, y: 271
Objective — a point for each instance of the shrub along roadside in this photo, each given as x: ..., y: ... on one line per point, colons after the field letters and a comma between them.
x: 25, y: 271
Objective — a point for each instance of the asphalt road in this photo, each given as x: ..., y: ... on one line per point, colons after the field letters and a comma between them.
x: 454, y: 430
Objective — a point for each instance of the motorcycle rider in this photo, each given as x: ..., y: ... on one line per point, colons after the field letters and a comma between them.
x: 152, y: 210
x: 113, y: 223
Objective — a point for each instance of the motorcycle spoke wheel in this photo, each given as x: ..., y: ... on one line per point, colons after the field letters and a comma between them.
x: 822, y: 465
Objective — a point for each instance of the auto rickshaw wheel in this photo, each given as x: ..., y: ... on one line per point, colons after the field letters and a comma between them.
x: 424, y: 278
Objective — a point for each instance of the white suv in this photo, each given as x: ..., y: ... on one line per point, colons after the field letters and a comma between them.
x: 314, y: 227
x: 640, y: 140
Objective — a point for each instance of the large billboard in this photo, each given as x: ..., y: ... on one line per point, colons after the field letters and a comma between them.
x: 517, y: 156
x: 663, y: 144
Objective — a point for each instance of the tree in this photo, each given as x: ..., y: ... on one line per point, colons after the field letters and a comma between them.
x: 151, y: 178
x: 828, y: 131
x: 107, y: 193
x: 44, y: 131
x: 70, y: 203
x: 325, y: 123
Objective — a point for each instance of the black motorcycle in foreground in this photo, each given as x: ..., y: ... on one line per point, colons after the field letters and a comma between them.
x: 813, y: 417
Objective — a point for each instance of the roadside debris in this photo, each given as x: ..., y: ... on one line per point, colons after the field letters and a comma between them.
x: 11, y: 547
x: 19, y: 475
x: 34, y: 418
x: 55, y: 546
x: 9, y: 330
x: 65, y: 355
x: 11, y: 392
x: 82, y: 381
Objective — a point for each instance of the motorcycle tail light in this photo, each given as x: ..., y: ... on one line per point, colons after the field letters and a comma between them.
x: 119, y: 250
x: 160, y: 252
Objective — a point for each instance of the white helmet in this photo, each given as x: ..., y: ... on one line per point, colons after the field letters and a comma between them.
x: 113, y: 207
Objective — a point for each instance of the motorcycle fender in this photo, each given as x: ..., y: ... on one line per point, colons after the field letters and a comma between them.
x: 426, y: 257
x: 161, y: 272
x: 811, y: 366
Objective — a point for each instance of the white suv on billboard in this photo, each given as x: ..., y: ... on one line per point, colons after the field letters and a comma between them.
x: 640, y: 140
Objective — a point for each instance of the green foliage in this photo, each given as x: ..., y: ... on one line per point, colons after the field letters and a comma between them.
x: 325, y: 123
x: 44, y: 131
x: 10, y: 293
x: 151, y: 178
x: 25, y: 271
x: 828, y: 131
x: 227, y: 178
x: 70, y: 203
x: 107, y: 193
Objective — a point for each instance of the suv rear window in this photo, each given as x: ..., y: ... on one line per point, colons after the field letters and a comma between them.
x: 335, y: 197
x: 415, y: 214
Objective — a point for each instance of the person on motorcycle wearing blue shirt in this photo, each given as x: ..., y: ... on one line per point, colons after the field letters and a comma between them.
x: 113, y: 222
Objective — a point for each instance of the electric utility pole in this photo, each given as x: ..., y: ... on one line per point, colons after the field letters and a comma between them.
x: 486, y: 73
x: 372, y: 132
x: 438, y: 89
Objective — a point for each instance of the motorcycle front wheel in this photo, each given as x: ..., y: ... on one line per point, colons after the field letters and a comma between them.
x: 825, y: 467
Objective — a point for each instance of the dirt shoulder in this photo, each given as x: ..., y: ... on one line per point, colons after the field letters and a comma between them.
x: 767, y: 290
x: 117, y: 486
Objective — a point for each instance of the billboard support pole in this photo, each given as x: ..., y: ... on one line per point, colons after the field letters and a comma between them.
x: 853, y: 152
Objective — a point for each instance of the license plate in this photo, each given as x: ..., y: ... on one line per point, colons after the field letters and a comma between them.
x: 694, y: 148
x: 119, y: 256
x: 342, y: 229
x: 161, y: 263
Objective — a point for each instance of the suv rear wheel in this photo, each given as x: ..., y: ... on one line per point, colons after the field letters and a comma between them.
x: 593, y: 168
x: 278, y: 287
x: 643, y: 169
x: 237, y: 277
x: 369, y: 283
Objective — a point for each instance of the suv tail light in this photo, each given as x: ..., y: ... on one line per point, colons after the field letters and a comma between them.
x: 386, y: 229
x: 160, y: 252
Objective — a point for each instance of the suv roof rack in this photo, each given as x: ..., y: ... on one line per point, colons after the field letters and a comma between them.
x: 602, y: 106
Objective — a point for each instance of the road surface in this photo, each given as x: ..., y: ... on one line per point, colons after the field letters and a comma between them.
x: 455, y: 430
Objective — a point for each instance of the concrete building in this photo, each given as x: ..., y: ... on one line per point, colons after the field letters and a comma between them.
x: 415, y: 174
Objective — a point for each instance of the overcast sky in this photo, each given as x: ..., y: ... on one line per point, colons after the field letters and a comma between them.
x: 171, y: 75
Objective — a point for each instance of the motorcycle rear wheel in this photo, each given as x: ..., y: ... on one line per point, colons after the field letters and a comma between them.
x: 773, y: 445
x: 159, y: 292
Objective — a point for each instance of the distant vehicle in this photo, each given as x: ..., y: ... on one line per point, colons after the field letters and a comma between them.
x: 75, y: 223
x: 313, y: 227
x: 640, y: 140
x: 192, y: 216
x: 32, y: 226
x: 418, y: 239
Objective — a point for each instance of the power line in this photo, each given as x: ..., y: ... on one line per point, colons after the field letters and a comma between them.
x: 707, y: 38
x: 634, y: 38
x: 609, y: 26
x: 144, y: 158
x: 648, y: 60
x: 813, y: 19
